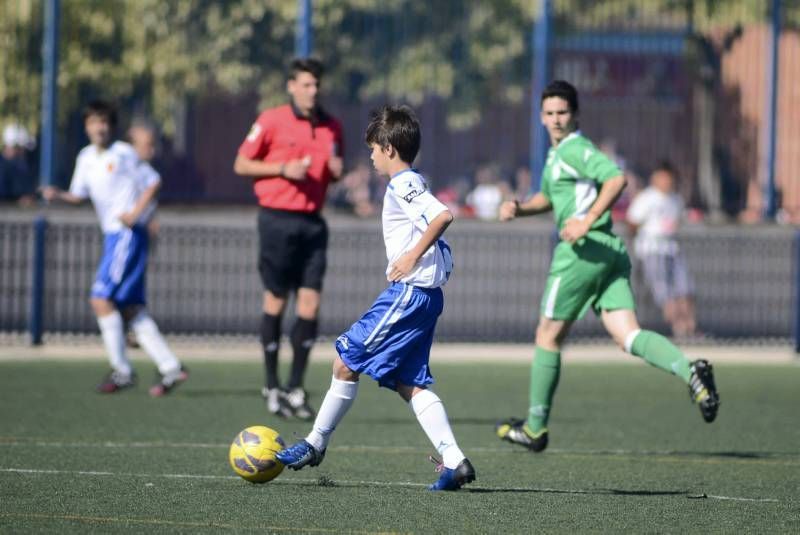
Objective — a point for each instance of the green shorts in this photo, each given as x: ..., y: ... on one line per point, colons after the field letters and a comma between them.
x: 593, y: 272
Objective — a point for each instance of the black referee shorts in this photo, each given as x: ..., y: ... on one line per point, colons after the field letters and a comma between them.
x: 292, y: 250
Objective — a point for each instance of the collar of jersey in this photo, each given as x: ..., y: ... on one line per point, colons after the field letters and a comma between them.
x: 573, y: 135
x: 409, y: 170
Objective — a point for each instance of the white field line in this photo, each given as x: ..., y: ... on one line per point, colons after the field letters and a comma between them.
x: 683, y: 456
x: 353, y: 483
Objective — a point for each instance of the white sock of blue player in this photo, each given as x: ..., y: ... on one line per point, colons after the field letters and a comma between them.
x: 337, y: 402
x: 431, y: 415
x: 153, y: 343
x: 113, y: 335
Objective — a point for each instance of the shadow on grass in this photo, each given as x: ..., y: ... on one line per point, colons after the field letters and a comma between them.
x: 218, y: 392
x: 605, y: 492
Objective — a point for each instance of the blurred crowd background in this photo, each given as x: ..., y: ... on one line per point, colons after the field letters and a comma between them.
x: 686, y: 81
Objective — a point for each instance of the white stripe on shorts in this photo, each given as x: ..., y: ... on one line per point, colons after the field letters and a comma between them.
x: 550, y: 306
x: 120, y: 256
x: 388, y: 319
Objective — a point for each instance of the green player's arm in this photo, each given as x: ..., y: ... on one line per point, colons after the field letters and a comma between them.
x: 405, y: 264
x: 609, y: 193
x: 537, y: 204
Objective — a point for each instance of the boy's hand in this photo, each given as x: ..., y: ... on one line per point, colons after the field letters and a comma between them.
x: 335, y: 166
x: 508, y: 210
x: 50, y: 193
x: 402, y: 267
x: 574, y: 229
x: 128, y: 219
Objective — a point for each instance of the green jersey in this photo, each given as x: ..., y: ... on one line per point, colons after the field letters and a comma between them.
x: 572, y: 177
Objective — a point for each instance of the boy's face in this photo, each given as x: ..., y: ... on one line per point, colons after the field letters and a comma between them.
x: 381, y: 157
x: 98, y: 129
x: 663, y: 180
x: 143, y: 142
x: 558, y: 118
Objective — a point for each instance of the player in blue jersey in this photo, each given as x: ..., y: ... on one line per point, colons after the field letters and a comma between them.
x: 109, y: 173
x: 391, y: 342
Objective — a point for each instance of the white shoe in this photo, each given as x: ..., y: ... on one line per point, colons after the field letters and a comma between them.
x: 276, y: 402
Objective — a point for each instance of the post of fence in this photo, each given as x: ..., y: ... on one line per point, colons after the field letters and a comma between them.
x: 36, y: 323
x: 796, y: 282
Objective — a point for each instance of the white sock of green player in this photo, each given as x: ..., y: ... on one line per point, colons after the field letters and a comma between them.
x: 113, y: 334
x: 431, y: 415
x: 153, y: 343
x: 337, y: 402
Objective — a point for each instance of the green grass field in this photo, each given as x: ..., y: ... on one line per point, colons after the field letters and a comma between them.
x: 628, y: 452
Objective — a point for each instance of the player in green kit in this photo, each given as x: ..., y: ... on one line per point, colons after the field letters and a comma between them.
x: 590, y: 268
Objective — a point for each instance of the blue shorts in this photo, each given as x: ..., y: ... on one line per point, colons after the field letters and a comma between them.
x: 120, y: 276
x: 392, y: 341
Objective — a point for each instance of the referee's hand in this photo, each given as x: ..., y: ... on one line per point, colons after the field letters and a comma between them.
x: 296, y: 169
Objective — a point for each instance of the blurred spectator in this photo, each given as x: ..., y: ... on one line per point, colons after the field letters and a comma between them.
x: 454, y: 195
x: 609, y: 147
x: 523, y: 181
x: 359, y: 191
x: 654, y: 217
x: 489, y: 192
x: 17, y: 181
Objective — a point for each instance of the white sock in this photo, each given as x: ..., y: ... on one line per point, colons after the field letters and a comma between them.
x: 153, y: 343
x: 113, y: 335
x: 337, y: 402
x: 432, y: 417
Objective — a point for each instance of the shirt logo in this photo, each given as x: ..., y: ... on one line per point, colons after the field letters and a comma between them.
x: 413, y: 192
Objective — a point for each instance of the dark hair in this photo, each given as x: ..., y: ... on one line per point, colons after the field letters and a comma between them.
x: 666, y: 166
x: 562, y: 89
x: 396, y: 126
x: 101, y: 108
x: 312, y: 66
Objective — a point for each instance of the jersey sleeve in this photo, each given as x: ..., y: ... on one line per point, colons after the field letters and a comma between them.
x: 639, y: 208
x: 147, y: 175
x: 78, y: 186
x: 415, y: 199
x: 256, y: 145
x: 591, y: 163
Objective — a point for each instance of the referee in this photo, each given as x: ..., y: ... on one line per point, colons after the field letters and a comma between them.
x: 292, y: 154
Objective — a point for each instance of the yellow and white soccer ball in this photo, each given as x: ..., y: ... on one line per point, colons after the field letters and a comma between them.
x: 252, y: 454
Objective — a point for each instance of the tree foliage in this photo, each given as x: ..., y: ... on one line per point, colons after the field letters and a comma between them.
x: 152, y: 54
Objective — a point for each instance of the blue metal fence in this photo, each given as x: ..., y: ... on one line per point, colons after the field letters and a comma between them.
x: 203, y: 279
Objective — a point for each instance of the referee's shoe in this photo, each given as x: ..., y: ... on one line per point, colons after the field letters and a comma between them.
x: 297, y: 398
x: 275, y: 399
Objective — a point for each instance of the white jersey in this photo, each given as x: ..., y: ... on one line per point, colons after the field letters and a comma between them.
x: 113, y: 179
x: 658, y: 216
x: 408, y: 208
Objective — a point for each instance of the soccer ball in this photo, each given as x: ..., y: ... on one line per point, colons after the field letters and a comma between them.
x: 252, y: 454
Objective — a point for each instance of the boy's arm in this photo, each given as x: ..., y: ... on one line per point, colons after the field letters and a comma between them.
x: 537, y: 204
x: 405, y: 264
x: 575, y: 229
x: 53, y: 193
x: 148, y: 195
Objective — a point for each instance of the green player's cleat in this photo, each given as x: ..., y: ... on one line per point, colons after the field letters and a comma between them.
x: 703, y: 390
x: 517, y: 432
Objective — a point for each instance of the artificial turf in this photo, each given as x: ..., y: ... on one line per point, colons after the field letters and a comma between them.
x: 628, y: 452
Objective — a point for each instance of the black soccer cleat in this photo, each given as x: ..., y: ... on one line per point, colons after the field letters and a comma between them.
x: 517, y: 431
x: 297, y: 399
x: 703, y: 390
x: 453, y: 478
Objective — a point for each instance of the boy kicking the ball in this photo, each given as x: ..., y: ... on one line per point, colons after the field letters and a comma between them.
x: 391, y: 342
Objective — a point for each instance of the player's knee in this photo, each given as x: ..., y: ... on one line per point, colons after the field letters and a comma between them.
x: 342, y: 372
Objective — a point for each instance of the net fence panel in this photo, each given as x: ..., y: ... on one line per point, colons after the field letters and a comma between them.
x: 203, y: 280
